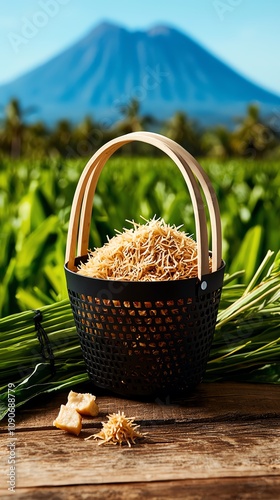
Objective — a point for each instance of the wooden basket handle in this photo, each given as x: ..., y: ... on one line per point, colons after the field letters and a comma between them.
x: 211, y: 200
x: 80, y: 216
x: 206, y: 186
x: 157, y: 140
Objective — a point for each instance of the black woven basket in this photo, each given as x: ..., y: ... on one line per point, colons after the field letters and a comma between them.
x: 146, y: 338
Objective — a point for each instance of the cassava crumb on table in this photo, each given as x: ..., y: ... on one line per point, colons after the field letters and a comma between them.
x: 118, y: 429
x: 70, y: 415
x: 68, y: 420
x: 154, y: 251
x: 83, y: 403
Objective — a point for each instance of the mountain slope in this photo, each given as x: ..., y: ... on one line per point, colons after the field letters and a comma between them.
x: 163, y: 68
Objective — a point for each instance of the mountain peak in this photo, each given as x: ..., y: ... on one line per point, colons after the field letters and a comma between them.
x: 160, y: 30
x: 164, y: 69
x: 107, y: 26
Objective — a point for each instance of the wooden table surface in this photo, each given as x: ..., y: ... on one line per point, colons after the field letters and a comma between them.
x: 222, y: 442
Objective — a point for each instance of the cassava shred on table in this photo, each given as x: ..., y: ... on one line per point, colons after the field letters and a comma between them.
x: 154, y: 251
x: 119, y: 429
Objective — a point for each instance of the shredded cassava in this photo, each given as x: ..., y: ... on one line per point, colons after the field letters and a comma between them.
x: 118, y: 430
x: 154, y: 251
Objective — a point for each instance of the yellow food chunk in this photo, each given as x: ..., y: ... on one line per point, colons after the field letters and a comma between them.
x: 68, y: 420
x: 83, y: 403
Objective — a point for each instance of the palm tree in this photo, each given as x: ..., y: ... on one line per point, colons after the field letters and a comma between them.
x: 217, y: 142
x: 88, y: 136
x: 14, y: 127
x: 252, y: 136
x: 132, y: 120
x: 184, y: 131
x: 36, y: 137
x: 61, y: 139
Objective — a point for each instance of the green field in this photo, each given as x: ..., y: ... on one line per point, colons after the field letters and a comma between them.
x: 36, y: 197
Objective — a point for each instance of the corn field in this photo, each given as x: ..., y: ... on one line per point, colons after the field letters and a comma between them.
x: 36, y: 197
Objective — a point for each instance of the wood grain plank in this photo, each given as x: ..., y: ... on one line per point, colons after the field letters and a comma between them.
x: 260, y: 488
x: 169, y: 452
x: 219, y: 402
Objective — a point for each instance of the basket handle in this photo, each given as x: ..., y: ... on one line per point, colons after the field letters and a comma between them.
x: 210, y: 195
x: 211, y: 200
x: 86, y: 187
x: 82, y: 202
x: 92, y: 182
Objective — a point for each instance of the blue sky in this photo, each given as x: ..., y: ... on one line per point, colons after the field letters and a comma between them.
x: 243, y: 33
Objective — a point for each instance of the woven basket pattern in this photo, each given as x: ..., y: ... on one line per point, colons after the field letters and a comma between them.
x: 146, y: 347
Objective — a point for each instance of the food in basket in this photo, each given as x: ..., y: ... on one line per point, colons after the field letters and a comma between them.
x: 68, y: 420
x: 84, y: 404
x: 118, y: 430
x: 154, y: 251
